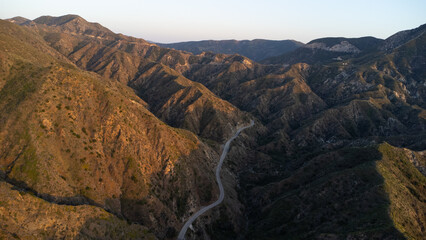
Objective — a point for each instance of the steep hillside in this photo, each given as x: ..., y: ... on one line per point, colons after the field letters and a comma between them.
x: 25, y: 216
x: 380, y: 95
x: 280, y: 100
x: 183, y: 103
x: 289, y: 101
x: 257, y: 49
x: 176, y: 100
x: 71, y: 137
x: 365, y: 192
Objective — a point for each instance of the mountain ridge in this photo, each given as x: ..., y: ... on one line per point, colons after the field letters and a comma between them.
x: 318, y: 146
x: 112, y: 148
x: 257, y: 49
x: 321, y: 50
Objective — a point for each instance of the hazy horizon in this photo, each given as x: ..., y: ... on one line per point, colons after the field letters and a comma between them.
x: 190, y: 20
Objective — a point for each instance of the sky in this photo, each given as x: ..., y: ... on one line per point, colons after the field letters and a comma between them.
x: 191, y: 20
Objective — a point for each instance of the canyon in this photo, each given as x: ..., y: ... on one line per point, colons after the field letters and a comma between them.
x: 107, y: 136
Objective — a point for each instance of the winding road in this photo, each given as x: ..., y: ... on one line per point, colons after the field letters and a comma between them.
x: 219, y: 183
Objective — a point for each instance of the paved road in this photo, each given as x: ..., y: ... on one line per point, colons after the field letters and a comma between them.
x: 219, y: 182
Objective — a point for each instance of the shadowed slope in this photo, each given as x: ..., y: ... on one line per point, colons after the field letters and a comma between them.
x: 372, y: 192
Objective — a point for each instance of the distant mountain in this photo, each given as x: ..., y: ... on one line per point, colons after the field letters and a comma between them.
x: 402, y: 37
x: 257, y: 49
x: 326, y: 50
x: 126, y: 59
x: 350, y: 45
x: 19, y: 20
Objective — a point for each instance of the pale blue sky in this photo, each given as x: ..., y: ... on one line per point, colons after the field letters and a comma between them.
x: 184, y: 20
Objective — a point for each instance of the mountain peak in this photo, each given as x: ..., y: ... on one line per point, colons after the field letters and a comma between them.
x: 56, y: 21
x: 74, y: 24
x: 18, y: 20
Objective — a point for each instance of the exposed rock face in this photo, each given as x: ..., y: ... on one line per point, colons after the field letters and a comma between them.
x: 343, y: 46
x: 314, y: 166
x: 19, y: 20
x: 76, y: 25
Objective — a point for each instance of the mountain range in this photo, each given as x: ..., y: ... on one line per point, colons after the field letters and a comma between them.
x: 257, y: 49
x: 107, y: 136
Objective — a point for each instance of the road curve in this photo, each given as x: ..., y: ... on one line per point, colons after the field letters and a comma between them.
x: 219, y: 183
